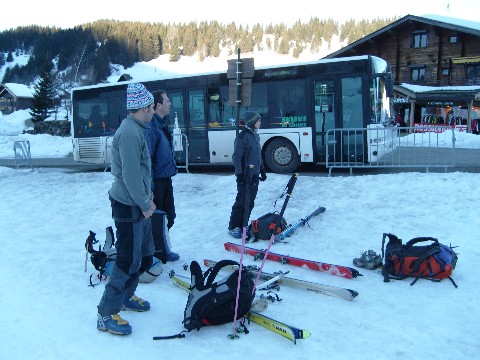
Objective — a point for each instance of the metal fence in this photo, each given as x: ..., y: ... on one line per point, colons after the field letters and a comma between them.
x: 391, y: 147
x: 23, y: 156
x: 180, y: 146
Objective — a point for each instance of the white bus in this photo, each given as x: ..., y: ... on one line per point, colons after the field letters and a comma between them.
x: 298, y: 103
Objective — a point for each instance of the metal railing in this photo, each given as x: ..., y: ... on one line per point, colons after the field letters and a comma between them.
x: 391, y: 147
x: 181, y: 147
x: 23, y: 156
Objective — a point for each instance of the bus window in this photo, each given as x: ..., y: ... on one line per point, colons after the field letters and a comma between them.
x: 92, y: 119
x: 289, y: 105
x: 352, y: 102
x: 176, y: 99
x: 324, y: 114
x: 352, y: 111
x: 214, y: 120
x: 196, y: 108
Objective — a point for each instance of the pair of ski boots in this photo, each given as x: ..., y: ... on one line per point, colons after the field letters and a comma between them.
x: 368, y: 260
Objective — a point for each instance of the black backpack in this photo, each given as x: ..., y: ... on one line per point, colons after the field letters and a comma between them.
x: 213, y: 302
x: 262, y: 228
x: 103, y: 258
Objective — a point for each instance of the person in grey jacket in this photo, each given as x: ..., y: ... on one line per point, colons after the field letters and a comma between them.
x: 159, y: 141
x: 132, y: 207
x: 249, y: 168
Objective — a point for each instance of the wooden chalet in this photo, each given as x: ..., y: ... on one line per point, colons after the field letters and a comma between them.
x: 435, y: 64
x: 15, y: 97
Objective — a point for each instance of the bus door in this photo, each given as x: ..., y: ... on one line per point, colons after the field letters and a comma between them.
x: 324, y: 91
x: 338, y: 103
x: 196, y: 126
x: 189, y: 108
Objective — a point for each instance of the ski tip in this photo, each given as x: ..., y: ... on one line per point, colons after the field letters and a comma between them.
x: 354, y: 293
x: 305, y: 334
x: 355, y: 272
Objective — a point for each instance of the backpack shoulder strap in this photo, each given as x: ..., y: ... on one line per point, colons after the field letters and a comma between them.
x: 196, y: 276
x: 218, y: 266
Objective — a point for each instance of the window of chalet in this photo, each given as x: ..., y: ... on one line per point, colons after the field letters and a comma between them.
x: 453, y: 39
x: 417, y: 73
x: 445, y: 71
x: 419, y: 39
x: 473, y: 74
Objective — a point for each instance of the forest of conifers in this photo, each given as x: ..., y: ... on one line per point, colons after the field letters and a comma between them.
x: 83, y: 54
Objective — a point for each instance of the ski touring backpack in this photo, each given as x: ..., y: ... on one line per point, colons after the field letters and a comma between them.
x: 262, y: 228
x: 103, y: 258
x: 433, y: 261
x: 213, y: 302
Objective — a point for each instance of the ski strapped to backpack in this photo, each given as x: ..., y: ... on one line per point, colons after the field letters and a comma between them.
x: 304, y: 221
x: 434, y: 261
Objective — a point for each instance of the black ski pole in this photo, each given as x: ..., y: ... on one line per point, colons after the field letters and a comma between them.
x: 289, y: 190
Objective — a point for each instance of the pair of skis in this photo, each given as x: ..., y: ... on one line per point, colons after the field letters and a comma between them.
x: 280, y: 279
x: 290, y: 332
x: 338, y: 270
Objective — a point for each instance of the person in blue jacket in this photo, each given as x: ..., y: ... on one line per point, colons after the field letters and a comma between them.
x: 249, y: 168
x: 159, y: 140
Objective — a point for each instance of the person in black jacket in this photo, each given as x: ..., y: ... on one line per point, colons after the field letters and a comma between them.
x: 249, y: 168
x: 159, y: 141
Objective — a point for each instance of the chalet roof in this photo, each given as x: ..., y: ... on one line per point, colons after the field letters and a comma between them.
x: 460, y: 25
x: 17, y: 90
x: 438, y: 93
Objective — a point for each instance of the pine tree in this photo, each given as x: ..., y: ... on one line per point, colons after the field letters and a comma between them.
x: 44, y: 95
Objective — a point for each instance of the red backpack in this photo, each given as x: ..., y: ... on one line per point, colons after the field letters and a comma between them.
x: 434, y: 261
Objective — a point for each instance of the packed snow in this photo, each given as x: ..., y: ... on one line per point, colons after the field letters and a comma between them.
x: 49, y: 309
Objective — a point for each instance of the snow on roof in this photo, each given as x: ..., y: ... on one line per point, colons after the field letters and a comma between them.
x: 19, y: 90
x: 421, y: 88
x: 454, y: 21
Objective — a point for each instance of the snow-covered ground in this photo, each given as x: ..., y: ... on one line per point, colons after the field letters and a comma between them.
x: 49, y: 311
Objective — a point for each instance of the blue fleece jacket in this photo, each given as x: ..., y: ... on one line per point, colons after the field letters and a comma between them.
x: 161, y: 152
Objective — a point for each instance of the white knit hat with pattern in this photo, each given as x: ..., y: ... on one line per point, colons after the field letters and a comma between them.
x: 138, y: 97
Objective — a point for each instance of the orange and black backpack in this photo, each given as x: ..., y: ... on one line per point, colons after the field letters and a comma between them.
x: 262, y: 228
x: 433, y: 261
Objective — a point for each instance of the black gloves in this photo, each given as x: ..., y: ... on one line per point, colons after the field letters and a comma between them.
x: 241, y: 179
x: 263, y: 175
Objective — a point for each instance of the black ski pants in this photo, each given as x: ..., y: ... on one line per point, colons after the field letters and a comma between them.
x: 238, y: 208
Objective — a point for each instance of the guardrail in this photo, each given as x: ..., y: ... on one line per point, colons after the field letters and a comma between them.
x: 391, y: 147
x: 23, y: 156
x: 181, y: 147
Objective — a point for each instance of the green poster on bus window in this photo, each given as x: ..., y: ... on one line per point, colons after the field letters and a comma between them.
x: 294, y: 121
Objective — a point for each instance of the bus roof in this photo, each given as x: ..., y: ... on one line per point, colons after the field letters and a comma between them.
x: 181, y: 76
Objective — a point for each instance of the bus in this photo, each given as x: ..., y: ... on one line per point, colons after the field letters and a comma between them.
x: 298, y: 104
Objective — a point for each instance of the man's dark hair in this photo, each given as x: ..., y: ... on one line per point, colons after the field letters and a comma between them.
x: 158, y: 96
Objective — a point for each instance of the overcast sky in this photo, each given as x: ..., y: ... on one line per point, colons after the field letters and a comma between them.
x: 60, y: 14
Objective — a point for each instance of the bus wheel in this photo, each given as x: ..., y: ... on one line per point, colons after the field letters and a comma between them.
x: 281, y: 156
